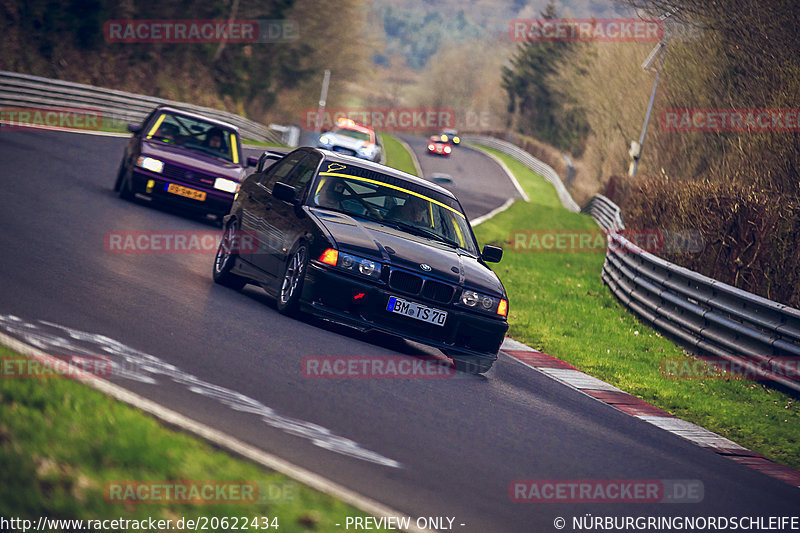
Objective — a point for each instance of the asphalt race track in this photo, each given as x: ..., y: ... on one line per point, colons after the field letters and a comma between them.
x: 478, y: 181
x: 425, y: 447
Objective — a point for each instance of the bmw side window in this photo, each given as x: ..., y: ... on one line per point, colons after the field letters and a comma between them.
x: 301, y: 176
x: 280, y: 170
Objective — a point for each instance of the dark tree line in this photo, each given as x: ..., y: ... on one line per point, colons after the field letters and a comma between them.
x: 539, y: 109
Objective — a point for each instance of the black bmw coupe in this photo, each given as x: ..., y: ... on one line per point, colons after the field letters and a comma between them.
x: 367, y: 246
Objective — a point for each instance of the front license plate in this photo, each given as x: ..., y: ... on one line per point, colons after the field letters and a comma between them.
x: 187, y: 192
x: 417, y: 311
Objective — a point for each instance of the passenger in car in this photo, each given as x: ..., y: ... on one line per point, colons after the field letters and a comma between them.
x: 330, y: 195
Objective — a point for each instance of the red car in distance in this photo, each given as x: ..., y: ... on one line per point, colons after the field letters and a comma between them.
x: 436, y: 146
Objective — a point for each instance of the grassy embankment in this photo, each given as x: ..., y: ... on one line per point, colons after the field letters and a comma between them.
x: 397, y: 156
x: 62, y: 442
x: 560, y: 306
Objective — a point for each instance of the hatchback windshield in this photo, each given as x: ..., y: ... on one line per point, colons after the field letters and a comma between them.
x: 196, y: 135
x: 395, y: 203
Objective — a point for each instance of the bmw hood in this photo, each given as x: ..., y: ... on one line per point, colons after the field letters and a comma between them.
x: 416, y: 254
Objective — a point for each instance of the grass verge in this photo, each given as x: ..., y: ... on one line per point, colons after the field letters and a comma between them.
x: 62, y: 443
x: 397, y: 156
x: 559, y: 305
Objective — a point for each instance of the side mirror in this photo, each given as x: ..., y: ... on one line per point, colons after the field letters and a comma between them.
x: 134, y: 128
x: 492, y: 254
x: 284, y: 192
x: 252, y: 161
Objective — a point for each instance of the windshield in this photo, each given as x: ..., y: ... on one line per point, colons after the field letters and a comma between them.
x: 402, y: 205
x: 353, y: 133
x: 196, y: 135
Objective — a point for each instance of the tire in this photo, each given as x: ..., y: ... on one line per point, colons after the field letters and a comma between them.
x: 294, y: 274
x: 472, y: 365
x: 226, y: 257
x: 120, y: 173
x: 125, y: 192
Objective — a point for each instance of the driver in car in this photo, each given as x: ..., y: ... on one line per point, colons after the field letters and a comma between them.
x: 413, y: 211
x: 214, y: 140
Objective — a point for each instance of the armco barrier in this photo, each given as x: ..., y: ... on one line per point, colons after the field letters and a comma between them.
x: 760, y: 336
x: 605, y: 212
x: 529, y: 161
x: 23, y: 90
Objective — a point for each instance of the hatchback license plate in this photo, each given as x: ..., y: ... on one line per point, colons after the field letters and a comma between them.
x: 416, y: 311
x: 186, y: 192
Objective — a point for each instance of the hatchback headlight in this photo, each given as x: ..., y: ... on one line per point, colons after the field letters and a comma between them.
x: 148, y: 163
x: 226, y: 185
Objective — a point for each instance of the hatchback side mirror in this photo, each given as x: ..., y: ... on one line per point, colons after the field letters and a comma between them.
x: 492, y: 254
x: 252, y: 161
x: 134, y: 128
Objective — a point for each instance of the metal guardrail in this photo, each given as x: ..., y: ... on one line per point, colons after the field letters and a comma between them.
x: 120, y: 107
x: 759, y: 336
x: 605, y: 212
x: 529, y: 161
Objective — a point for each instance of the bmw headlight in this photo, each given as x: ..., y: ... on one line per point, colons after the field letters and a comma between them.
x: 352, y: 263
x: 484, y: 303
x: 360, y: 265
x: 148, y: 163
x: 326, y: 140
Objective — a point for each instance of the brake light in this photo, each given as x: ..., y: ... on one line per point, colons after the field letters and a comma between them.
x: 502, y: 308
x: 329, y: 257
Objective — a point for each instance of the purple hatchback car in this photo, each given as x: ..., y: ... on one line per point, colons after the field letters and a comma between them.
x: 183, y: 159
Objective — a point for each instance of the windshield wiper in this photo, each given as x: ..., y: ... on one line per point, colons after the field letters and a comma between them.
x: 422, y: 232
